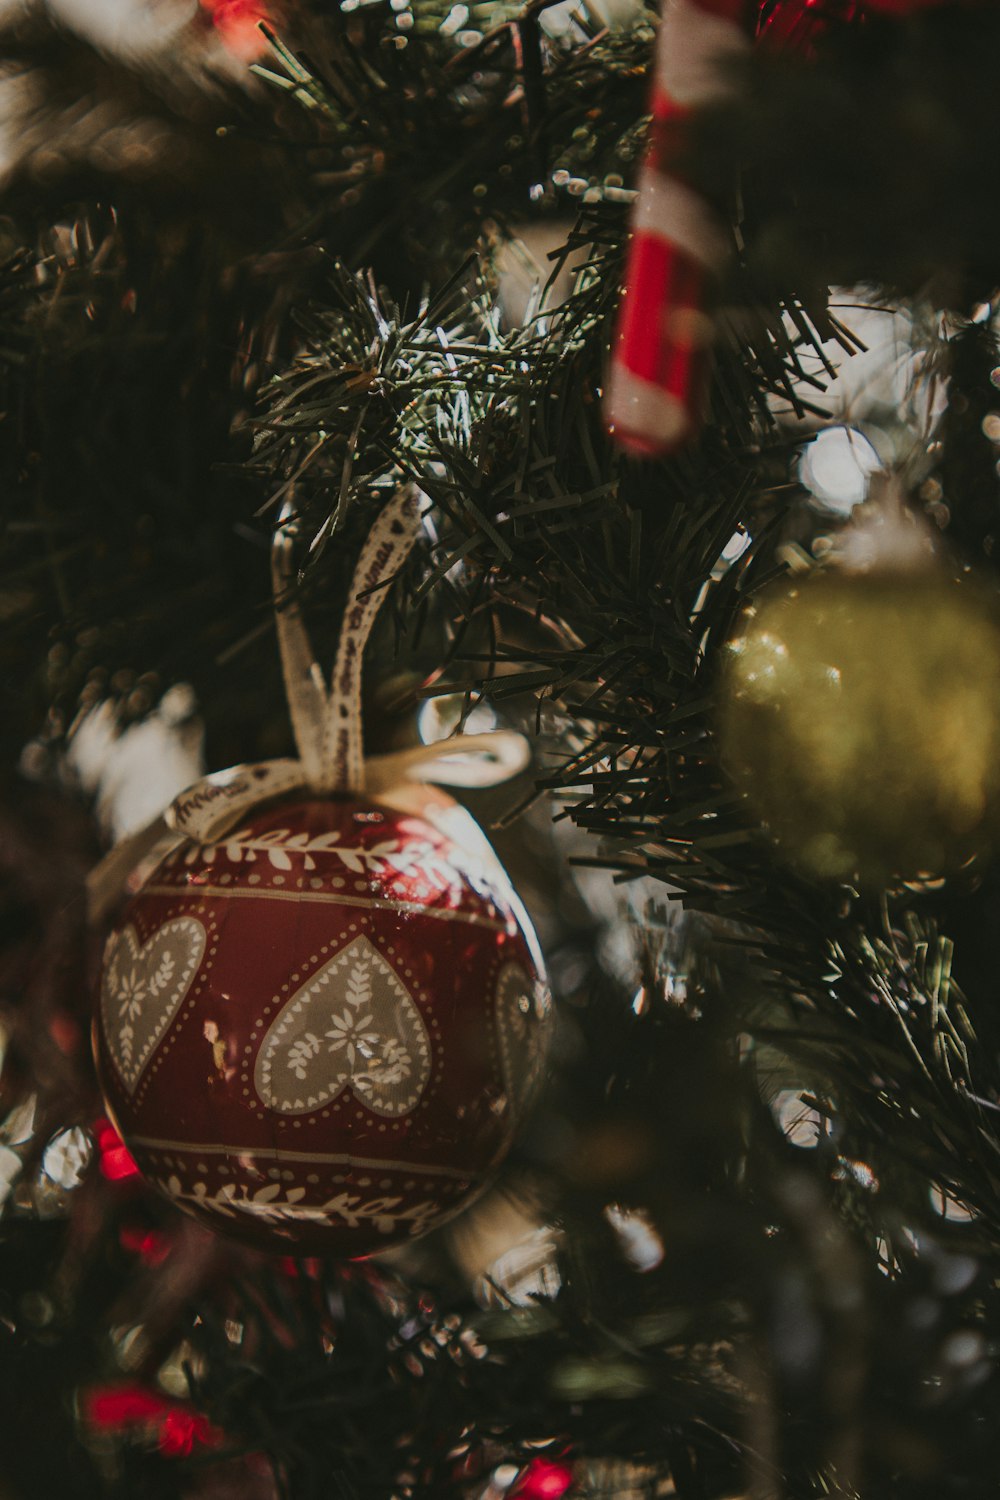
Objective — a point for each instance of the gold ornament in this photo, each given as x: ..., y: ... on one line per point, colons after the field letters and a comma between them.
x: 860, y: 717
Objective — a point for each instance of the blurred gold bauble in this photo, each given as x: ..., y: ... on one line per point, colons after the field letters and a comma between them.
x: 860, y: 716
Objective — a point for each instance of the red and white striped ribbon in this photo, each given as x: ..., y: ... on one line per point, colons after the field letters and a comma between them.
x: 659, y: 362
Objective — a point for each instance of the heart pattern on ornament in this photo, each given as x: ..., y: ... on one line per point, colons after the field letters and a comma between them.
x: 353, y: 1025
x: 143, y: 988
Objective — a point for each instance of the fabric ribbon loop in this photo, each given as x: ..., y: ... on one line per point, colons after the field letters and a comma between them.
x: 326, y: 721
x: 211, y: 808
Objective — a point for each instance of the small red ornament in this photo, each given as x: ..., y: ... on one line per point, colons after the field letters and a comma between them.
x: 321, y: 1033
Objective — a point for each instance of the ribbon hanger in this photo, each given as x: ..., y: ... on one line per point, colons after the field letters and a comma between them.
x: 326, y: 719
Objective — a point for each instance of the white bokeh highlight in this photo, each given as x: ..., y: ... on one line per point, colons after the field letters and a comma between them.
x: 836, y: 467
x: 135, y: 775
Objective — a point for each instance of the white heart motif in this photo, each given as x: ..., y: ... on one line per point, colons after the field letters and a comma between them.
x: 143, y: 988
x: 352, y: 1025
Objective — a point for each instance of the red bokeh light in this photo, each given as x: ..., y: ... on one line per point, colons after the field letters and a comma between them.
x: 310, y: 1266
x: 545, y: 1481
x: 236, y: 21
x: 152, y: 1245
x: 184, y: 1429
x: 128, y: 1407
x: 116, y: 1161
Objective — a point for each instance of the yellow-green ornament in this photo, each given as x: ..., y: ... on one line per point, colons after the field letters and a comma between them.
x: 860, y: 717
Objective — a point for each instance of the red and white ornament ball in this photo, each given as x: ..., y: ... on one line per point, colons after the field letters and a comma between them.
x: 321, y: 1033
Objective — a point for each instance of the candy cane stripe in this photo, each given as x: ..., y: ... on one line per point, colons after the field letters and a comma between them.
x: 657, y: 382
x: 697, y: 43
x: 663, y: 348
x: 645, y: 409
x: 675, y: 213
x: 655, y: 344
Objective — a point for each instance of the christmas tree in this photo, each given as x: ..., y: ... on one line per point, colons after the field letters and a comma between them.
x: 640, y: 374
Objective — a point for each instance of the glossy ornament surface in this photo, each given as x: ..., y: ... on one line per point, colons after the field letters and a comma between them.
x: 859, y: 715
x: 322, y: 1032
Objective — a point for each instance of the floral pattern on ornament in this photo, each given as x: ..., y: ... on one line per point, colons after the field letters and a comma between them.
x: 388, y: 1214
x: 407, y: 858
x: 353, y: 1025
x: 143, y: 988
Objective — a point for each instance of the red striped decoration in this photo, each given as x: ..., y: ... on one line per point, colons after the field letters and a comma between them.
x: 659, y: 366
